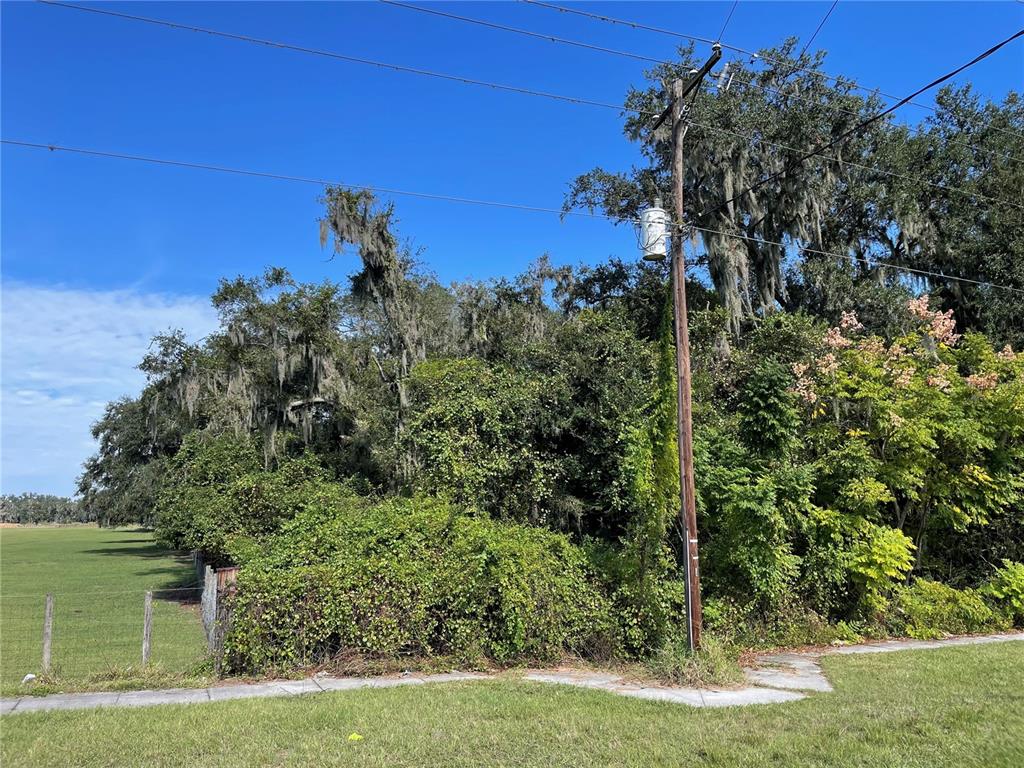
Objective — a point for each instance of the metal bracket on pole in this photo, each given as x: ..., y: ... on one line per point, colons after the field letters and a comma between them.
x: 696, y: 77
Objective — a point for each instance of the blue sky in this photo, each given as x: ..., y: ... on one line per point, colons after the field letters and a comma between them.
x: 98, y: 254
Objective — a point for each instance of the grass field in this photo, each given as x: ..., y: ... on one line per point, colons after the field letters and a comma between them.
x: 961, y: 707
x: 98, y: 578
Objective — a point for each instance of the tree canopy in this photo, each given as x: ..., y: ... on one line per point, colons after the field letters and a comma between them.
x: 858, y: 428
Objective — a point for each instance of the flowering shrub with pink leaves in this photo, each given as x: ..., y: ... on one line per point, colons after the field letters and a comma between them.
x: 894, y: 453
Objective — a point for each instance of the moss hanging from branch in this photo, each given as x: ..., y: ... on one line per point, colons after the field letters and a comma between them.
x: 354, y: 218
x: 273, y: 367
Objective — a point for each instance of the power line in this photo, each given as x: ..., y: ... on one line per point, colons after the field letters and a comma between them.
x: 653, y: 60
x: 470, y: 81
x: 303, y: 179
x: 810, y: 40
x: 863, y: 260
x: 725, y: 24
x: 817, y: 29
x: 338, y: 56
x: 854, y: 164
x: 503, y: 27
x: 519, y: 31
x: 475, y: 201
x: 735, y: 48
x: 865, y: 123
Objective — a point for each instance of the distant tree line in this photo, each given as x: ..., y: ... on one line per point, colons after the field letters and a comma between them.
x: 36, y: 508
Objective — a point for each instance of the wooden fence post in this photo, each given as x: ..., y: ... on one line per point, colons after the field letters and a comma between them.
x: 147, y: 627
x: 47, y: 632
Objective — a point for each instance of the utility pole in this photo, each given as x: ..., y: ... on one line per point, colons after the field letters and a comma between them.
x: 684, y: 409
x: 684, y: 405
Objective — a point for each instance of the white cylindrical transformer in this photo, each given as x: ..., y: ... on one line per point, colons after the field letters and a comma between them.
x: 653, y: 232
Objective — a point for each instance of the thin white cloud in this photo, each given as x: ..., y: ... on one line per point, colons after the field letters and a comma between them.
x: 65, y: 354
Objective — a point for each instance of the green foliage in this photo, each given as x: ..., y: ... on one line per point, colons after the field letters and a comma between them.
x: 740, y: 624
x: 413, y: 577
x: 119, y: 485
x: 748, y: 552
x: 904, y: 447
x: 543, y: 440
x: 768, y: 417
x: 217, y: 491
x: 650, y: 597
x: 831, y: 464
x: 473, y: 429
x: 601, y: 380
x: 927, y: 609
x: 1006, y: 589
x: 881, y: 557
x: 989, y: 242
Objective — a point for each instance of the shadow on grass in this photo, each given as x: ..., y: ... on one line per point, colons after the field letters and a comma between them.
x: 150, y: 550
x: 180, y: 583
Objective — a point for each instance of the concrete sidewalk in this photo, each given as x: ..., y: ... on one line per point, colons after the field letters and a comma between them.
x: 801, y: 670
x: 317, y: 684
x: 777, y: 677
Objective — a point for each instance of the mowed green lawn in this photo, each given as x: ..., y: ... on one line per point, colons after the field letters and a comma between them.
x: 98, y: 578
x: 961, y: 707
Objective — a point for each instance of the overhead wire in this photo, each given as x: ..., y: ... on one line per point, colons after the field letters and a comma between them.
x: 725, y: 24
x: 493, y: 203
x: 817, y: 29
x: 655, y: 60
x: 518, y: 30
x: 471, y: 81
x: 333, y: 55
x: 737, y: 49
x: 304, y: 179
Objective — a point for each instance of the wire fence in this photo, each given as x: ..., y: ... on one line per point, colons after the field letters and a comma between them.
x: 81, y: 635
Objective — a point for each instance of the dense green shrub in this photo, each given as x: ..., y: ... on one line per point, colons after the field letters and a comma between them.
x: 1006, y: 589
x: 880, y: 557
x: 217, y: 489
x: 745, y: 625
x: 831, y: 465
x: 541, y: 438
x: 474, y: 430
x: 413, y: 577
x: 927, y: 609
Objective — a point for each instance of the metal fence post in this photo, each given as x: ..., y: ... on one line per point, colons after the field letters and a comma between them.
x: 147, y: 627
x: 47, y: 632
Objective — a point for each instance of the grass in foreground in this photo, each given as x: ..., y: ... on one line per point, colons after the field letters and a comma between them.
x: 98, y: 578
x: 953, y: 707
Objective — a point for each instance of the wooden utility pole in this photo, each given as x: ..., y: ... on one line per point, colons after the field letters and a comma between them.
x: 687, y: 487
x: 684, y: 408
